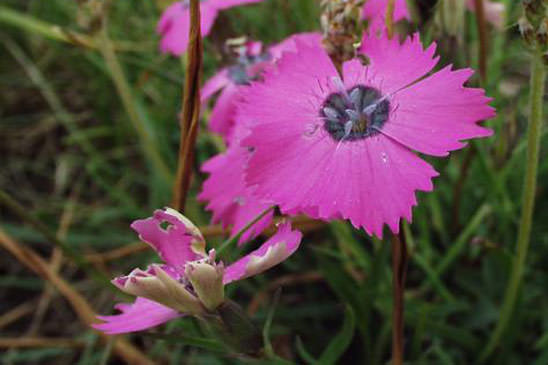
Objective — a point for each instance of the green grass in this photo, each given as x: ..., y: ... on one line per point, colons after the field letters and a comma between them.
x: 98, y: 126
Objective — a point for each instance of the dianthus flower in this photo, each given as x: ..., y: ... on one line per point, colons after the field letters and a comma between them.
x: 190, y: 282
x: 344, y: 149
x: 174, y: 25
x: 251, y: 61
x: 374, y: 11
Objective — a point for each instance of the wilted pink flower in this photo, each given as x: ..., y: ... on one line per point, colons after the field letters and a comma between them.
x: 494, y: 12
x: 251, y: 62
x: 374, y: 11
x: 190, y: 282
x: 344, y: 149
x: 174, y: 25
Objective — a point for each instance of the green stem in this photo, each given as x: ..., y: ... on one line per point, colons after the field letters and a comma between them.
x: 233, y: 240
x: 538, y: 76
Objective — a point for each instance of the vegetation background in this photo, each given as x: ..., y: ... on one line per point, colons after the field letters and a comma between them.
x: 88, y: 143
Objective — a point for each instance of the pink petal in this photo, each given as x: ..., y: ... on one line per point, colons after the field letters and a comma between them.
x: 140, y: 315
x: 375, y: 12
x: 274, y: 251
x: 177, y: 243
x: 434, y: 115
x: 214, y: 84
x: 174, y: 26
x: 230, y: 200
x: 394, y: 65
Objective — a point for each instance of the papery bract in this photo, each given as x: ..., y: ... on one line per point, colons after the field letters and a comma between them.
x: 174, y: 25
x: 191, y: 282
x: 344, y: 149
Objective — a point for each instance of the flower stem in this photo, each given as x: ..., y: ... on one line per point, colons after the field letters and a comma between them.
x: 538, y: 76
x: 232, y: 240
x: 399, y: 269
x: 191, y: 109
x: 389, y: 20
x: 483, y: 43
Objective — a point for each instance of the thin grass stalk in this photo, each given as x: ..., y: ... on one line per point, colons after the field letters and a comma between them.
x: 483, y: 42
x: 538, y: 77
x: 389, y: 20
x: 191, y: 109
x: 145, y: 134
x: 400, y: 259
x: 20, y: 211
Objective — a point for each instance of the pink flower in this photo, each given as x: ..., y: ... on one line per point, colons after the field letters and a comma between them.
x: 190, y: 282
x: 251, y: 62
x: 374, y: 11
x: 174, y: 25
x: 344, y: 149
x: 494, y: 12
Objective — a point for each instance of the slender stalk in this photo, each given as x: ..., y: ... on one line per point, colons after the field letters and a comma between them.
x: 399, y: 269
x: 538, y: 77
x: 191, y: 109
x: 144, y: 132
x: 482, y: 34
x: 389, y: 20
x: 229, y: 242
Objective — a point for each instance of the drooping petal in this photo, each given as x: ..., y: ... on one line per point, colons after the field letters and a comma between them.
x: 230, y: 200
x: 375, y: 12
x: 274, y: 251
x: 222, y: 116
x: 137, y: 316
x: 394, y: 65
x: 174, y: 26
x: 434, y: 115
x: 172, y: 235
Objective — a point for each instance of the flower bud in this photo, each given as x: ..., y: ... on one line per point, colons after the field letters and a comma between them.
x: 157, y: 285
x: 206, y: 278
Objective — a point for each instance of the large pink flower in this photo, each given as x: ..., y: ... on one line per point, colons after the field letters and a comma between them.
x: 190, y: 282
x: 174, y: 25
x: 250, y: 64
x: 344, y: 149
x: 374, y: 11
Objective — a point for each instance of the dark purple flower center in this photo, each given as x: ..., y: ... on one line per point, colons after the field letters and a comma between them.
x: 243, y: 71
x: 354, y: 114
